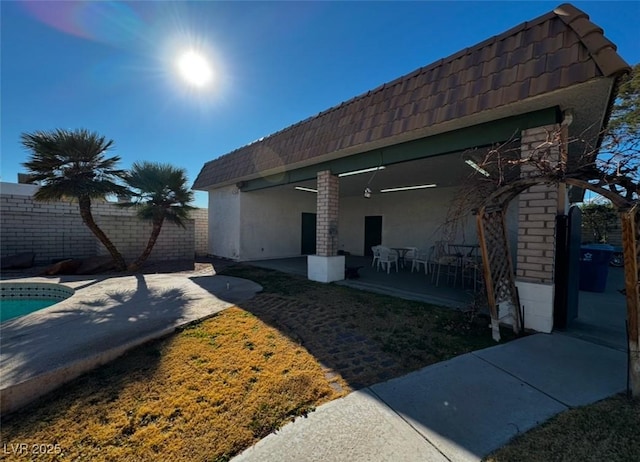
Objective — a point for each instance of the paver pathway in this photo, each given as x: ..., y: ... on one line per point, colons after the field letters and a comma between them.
x: 339, y: 346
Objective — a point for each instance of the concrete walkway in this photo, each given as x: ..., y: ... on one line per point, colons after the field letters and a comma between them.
x: 456, y: 410
x: 106, y: 317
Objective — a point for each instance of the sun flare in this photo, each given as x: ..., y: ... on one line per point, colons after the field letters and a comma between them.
x: 194, y: 68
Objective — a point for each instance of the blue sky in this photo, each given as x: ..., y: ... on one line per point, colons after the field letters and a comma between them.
x: 110, y: 66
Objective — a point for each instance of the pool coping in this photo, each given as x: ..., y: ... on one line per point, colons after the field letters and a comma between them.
x: 35, y: 291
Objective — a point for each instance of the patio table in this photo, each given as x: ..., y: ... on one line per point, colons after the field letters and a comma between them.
x: 468, y: 259
x: 402, y: 253
x: 464, y: 250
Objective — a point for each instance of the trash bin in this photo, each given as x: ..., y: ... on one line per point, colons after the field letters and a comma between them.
x: 594, y: 266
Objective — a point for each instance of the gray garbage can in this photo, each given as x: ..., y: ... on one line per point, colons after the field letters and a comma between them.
x: 594, y: 266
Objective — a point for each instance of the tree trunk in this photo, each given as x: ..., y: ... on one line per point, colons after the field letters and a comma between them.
x: 155, y: 232
x: 87, y: 218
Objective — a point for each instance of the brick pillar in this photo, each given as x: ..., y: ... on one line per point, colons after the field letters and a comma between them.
x: 327, y: 214
x: 538, y: 207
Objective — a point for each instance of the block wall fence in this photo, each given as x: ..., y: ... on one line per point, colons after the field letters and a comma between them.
x: 54, y: 231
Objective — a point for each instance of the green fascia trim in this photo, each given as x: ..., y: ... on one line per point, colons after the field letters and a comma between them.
x: 444, y: 143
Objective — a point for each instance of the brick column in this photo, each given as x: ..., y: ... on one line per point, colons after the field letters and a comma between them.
x: 327, y: 214
x: 326, y: 265
x: 538, y: 207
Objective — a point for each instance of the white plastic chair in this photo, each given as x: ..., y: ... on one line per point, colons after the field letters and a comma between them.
x: 420, y: 258
x: 411, y: 254
x: 376, y: 256
x: 387, y: 258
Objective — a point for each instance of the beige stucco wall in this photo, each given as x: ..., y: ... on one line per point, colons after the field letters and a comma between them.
x: 267, y: 223
x: 271, y: 222
x: 409, y: 218
x: 224, y: 222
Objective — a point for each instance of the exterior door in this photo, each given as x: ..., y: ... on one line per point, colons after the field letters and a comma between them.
x: 567, y: 270
x: 573, y: 269
x: 308, y: 240
x: 372, y: 233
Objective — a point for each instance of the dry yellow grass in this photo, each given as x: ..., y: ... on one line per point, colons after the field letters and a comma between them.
x: 604, y: 431
x: 205, y: 393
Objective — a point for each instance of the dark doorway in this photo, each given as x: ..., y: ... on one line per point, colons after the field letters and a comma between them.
x: 308, y: 240
x: 372, y: 233
x: 567, y: 271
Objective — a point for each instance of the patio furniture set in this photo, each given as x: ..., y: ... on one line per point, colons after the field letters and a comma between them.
x: 443, y: 261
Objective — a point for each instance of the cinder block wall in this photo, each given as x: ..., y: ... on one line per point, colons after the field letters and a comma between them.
x: 201, y: 230
x: 54, y: 230
x: 130, y: 236
x: 51, y: 230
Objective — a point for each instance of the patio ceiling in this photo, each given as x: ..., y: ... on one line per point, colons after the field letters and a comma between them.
x: 444, y: 171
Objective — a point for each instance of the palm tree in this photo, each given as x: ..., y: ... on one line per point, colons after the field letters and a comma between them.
x: 73, y: 164
x: 160, y: 193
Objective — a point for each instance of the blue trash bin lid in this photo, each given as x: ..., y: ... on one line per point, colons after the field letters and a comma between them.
x: 605, y: 247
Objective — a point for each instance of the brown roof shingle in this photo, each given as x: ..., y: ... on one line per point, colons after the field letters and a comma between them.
x: 556, y: 50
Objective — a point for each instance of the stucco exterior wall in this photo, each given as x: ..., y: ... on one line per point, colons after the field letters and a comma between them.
x: 267, y: 223
x: 271, y: 222
x: 224, y: 222
x: 411, y: 218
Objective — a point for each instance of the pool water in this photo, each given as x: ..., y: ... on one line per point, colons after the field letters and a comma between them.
x: 10, y: 309
x: 21, y: 298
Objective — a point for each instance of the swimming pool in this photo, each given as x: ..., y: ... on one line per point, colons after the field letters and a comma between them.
x: 21, y: 298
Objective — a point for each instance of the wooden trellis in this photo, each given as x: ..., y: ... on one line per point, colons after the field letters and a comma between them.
x: 498, y: 268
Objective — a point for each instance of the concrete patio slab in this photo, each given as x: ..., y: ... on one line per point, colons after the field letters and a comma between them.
x: 356, y: 428
x: 103, y: 319
x: 572, y: 371
x: 466, y: 407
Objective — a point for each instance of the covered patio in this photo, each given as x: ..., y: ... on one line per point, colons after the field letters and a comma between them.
x: 384, y: 167
x: 403, y: 283
x: 600, y: 318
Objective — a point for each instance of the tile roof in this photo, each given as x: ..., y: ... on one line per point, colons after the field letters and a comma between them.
x: 557, y: 50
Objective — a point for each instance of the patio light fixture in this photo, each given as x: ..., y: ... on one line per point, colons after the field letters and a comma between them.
x: 476, y: 167
x: 302, y: 188
x: 364, y: 170
x: 408, y: 188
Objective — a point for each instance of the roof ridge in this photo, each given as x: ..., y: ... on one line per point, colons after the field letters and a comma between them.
x: 601, y: 49
x: 459, y: 54
x: 555, y: 50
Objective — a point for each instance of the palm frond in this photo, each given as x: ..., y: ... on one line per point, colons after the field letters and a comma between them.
x: 72, y: 163
x: 160, y: 192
